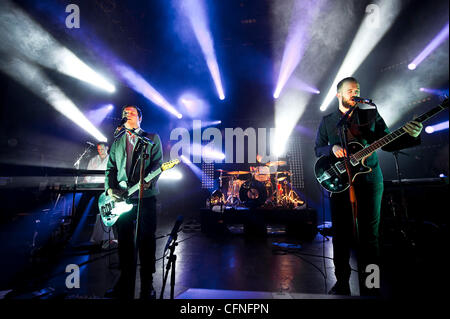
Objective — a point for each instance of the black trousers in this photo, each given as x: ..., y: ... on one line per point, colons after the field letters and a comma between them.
x: 368, y: 197
x: 146, y: 245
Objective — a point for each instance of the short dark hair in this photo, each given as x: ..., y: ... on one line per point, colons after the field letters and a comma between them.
x: 103, y: 143
x: 136, y: 107
x: 348, y: 79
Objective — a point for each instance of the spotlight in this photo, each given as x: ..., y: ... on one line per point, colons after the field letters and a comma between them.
x: 21, y: 36
x: 365, y: 40
x: 98, y: 115
x: 437, y: 127
x: 35, y: 80
x: 434, y: 43
x: 435, y: 91
x: 429, y: 129
x: 196, y: 12
x: 192, y: 105
x: 304, y: 13
x: 171, y: 174
x: 139, y: 84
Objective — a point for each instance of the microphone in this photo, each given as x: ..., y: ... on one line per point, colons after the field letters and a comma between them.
x: 362, y: 100
x: 90, y: 144
x: 120, y: 126
x: 174, y: 231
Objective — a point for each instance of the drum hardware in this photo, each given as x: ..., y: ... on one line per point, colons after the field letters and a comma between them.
x: 261, y: 188
x: 276, y: 163
x: 238, y: 172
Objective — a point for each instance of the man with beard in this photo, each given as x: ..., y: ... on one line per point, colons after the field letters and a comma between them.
x: 365, y: 127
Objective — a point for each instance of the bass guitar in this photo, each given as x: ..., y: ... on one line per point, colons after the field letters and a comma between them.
x: 331, y: 172
x: 111, y: 210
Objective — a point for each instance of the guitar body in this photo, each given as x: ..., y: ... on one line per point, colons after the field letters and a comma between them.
x: 110, y: 210
x: 331, y: 172
x: 333, y: 179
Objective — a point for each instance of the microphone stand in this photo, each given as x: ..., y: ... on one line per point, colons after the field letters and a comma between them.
x: 170, y: 265
x: 404, y: 211
x: 143, y: 157
x: 77, y: 166
x: 342, y: 126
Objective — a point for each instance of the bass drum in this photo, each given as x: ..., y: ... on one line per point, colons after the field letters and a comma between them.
x: 253, y: 193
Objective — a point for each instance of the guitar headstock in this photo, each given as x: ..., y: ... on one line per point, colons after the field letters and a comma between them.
x: 168, y: 165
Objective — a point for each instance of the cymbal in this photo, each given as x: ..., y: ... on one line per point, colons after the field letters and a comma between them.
x: 280, y: 179
x: 221, y: 170
x: 237, y: 172
x: 276, y: 163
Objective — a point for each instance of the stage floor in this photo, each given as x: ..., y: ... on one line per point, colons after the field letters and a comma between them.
x: 219, y: 266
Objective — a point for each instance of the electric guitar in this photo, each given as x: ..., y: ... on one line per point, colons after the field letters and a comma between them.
x: 331, y: 172
x: 111, y: 210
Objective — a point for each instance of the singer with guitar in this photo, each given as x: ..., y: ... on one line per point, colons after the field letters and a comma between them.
x: 364, y: 126
x: 123, y: 168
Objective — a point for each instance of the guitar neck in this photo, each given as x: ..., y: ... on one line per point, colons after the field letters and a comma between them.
x: 147, y: 179
x: 396, y: 134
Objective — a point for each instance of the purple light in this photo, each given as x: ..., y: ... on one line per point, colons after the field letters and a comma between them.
x: 196, y: 170
x: 98, y: 115
x: 192, y: 105
x: 442, y: 35
x: 436, y: 128
x: 295, y: 83
x: 435, y: 91
x: 195, y: 11
x: 297, y: 40
x: 139, y: 84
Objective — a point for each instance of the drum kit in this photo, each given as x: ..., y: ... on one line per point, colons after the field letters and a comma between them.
x: 259, y: 187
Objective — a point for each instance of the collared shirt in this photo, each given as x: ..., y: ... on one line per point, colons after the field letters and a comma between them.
x: 130, y: 145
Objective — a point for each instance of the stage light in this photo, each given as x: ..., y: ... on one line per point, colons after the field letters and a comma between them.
x: 140, y: 85
x: 435, y: 91
x: 437, y: 127
x: 35, y: 80
x: 195, y: 10
x: 435, y: 42
x: 365, y: 40
x: 192, y: 105
x: 298, y: 84
x: 171, y: 174
x: 194, y: 168
x: 288, y: 110
x: 304, y: 13
x: 21, y: 36
x: 98, y: 115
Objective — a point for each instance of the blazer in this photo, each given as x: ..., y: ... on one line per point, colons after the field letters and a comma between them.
x: 367, y: 127
x: 116, y: 168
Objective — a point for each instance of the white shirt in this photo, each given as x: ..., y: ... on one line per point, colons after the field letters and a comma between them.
x: 96, y: 163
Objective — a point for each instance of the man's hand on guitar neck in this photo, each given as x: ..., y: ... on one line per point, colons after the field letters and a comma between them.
x: 413, y: 128
x: 116, y: 194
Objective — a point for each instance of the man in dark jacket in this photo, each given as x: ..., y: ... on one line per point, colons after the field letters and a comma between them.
x: 365, y: 127
x: 122, y: 171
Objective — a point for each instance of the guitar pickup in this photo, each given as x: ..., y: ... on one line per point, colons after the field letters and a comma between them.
x: 323, y: 177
